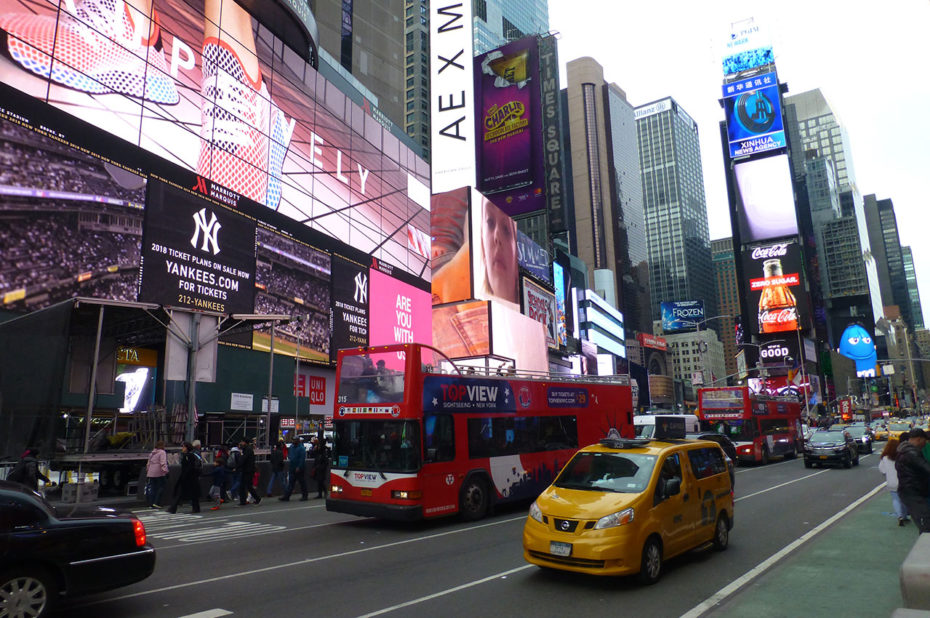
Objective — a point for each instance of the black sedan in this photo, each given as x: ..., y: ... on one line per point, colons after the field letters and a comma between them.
x: 831, y: 447
x: 45, y: 553
x: 863, y: 437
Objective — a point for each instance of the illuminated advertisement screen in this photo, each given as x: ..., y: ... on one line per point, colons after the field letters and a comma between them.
x: 496, y: 271
x: 533, y: 258
x: 451, y: 257
x: 774, y: 291
x: 765, y: 199
x: 350, y: 304
x: 681, y: 315
x: 70, y: 224
x: 753, y: 113
x: 558, y: 276
x: 293, y: 278
x: 246, y: 115
x: 137, y: 368
x: 539, y: 304
x: 518, y: 337
x: 399, y: 313
x: 747, y: 47
x: 196, y: 254
x: 462, y: 330
x: 509, y: 127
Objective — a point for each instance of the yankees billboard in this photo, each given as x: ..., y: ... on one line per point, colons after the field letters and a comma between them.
x: 350, y: 304
x: 196, y: 253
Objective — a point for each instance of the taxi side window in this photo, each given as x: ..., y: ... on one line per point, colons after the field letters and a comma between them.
x: 671, y: 469
x: 706, y: 462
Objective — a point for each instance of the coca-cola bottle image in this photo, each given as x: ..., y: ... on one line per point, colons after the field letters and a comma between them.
x: 778, y: 309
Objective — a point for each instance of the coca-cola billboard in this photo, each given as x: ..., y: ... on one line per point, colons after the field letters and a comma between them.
x: 775, y: 294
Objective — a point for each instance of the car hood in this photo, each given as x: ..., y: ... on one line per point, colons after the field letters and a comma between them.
x: 583, y: 504
x: 816, y: 443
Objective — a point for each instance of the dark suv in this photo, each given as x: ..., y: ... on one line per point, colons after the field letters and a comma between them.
x: 863, y: 437
x: 831, y: 447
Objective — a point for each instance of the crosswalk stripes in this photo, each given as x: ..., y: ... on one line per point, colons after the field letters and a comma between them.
x: 229, y: 530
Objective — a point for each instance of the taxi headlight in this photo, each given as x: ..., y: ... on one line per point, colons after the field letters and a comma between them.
x: 536, y: 513
x: 614, y: 519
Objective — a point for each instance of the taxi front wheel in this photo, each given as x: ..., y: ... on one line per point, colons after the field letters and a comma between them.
x: 650, y: 568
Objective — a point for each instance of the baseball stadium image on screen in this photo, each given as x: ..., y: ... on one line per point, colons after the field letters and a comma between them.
x: 70, y: 224
x: 243, y: 111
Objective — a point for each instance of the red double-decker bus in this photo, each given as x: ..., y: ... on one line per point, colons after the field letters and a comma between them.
x: 415, y: 436
x: 760, y: 426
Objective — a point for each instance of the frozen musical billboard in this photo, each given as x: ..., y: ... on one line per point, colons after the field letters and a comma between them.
x: 775, y: 290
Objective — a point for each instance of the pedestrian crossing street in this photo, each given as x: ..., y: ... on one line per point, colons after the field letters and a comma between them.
x: 195, y: 528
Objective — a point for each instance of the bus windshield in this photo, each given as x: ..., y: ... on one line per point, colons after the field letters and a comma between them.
x: 371, y: 378
x: 384, y: 446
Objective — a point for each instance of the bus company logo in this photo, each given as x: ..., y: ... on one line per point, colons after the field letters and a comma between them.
x: 367, y: 477
x: 524, y: 397
x: 395, y: 411
x: 450, y: 479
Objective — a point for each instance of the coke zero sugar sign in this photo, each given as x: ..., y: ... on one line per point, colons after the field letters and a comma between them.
x: 774, y: 288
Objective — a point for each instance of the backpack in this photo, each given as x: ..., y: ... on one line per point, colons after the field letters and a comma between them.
x: 232, y: 462
x: 18, y: 473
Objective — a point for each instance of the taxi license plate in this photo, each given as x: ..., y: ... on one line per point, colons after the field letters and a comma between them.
x: 560, y: 549
x: 823, y: 456
x: 366, y: 492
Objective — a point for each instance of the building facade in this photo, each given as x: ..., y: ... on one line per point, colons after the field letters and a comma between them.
x: 500, y: 21
x: 912, y: 292
x: 728, y: 298
x: 677, y: 237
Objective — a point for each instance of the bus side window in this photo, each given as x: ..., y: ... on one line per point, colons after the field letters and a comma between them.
x: 439, y: 438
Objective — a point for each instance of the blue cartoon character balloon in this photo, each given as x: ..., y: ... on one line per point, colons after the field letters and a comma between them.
x: 857, y: 344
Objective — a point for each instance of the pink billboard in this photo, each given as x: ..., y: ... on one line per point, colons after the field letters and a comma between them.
x: 398, y: 313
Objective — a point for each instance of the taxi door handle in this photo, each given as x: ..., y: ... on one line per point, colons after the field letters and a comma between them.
x: 685, y: 497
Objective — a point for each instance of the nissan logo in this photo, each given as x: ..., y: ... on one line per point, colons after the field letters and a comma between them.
x: 565, y: 525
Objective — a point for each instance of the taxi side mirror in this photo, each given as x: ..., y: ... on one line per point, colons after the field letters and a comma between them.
x: 672, y: 486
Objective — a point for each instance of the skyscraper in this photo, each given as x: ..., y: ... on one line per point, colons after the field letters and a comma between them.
x: 912, y: 292
x: 883, y: 232
x: 608, y: 224
x: 677, y: 237
x: 820, y: 131
x: 500, y: 21
x: 728, y: 298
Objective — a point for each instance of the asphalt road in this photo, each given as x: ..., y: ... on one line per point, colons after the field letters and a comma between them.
x: 290, y: 559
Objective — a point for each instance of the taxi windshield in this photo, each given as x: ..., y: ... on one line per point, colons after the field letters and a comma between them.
x: 627, y: 473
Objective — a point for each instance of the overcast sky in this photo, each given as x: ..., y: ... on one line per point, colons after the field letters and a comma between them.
x: 870, y: 59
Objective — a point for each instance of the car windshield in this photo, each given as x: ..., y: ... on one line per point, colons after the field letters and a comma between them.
x: 899, y: 426
x: 627, y: 473
x: 856, y: 432
x: 828, y: 436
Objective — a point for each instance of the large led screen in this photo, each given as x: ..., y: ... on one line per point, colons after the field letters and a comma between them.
x: 558, y: 276
x: 539, y: 304
x: 753, y: 112
x: 196, y: 254
x: 70, y: 224
x: 681, y: 315
x: 399, y: 313
x: 509, y: 127
x: 496, y: 270
x: 533, y: 258
x: 208, y: 88
x: 518, y: 337
x: 451, y: 248
x: 775, y: 291
x: 293, y: 278
x: 462, y: 330
x: 350, y: 305
x: 765, y: 199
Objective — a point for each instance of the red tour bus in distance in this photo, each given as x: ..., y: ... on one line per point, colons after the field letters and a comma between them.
x: 760, y: 426
x: 416, y: 437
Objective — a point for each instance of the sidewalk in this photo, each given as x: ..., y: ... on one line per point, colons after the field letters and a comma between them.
x: 851, y: 569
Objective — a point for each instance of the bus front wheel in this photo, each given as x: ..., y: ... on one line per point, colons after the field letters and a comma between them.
x: 473, y: 503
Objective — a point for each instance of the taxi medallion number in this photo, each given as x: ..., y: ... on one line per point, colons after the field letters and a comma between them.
x: 560, y: 549
x: 366, y: 492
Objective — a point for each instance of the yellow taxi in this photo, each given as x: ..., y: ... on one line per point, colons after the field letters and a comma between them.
x: 896, y: 429
x: 879, y: 432
x: 623, y: 507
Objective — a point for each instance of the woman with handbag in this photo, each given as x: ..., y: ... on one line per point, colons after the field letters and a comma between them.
x: 156, y: 472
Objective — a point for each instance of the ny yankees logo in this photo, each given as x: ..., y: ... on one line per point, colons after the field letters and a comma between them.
x: 361, y: 288
x: 210, y: 230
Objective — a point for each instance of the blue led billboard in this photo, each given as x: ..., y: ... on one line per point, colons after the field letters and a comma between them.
x: 680, y: 315
x: 753, y: 111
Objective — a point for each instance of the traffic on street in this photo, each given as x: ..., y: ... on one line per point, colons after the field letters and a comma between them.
x: 297, y: 558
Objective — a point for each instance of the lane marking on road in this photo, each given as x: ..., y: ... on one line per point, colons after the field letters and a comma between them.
x: 443, y: 593
x: 210, y: 613
x: 762, y: 567
x: 290, y: 565
x: 768, y: 489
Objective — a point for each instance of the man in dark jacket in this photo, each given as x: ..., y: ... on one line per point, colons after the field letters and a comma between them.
x: 27, y: 472
x: 297, y: 462
x: 246, y: 472
x: 277, y: 467
x: 188, y: 485
x: 914, y: 478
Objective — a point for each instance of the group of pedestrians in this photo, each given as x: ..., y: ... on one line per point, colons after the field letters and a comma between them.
x: 905, y: 463
x: 237, y: 464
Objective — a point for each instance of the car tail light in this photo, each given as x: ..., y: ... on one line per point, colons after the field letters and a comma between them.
x: 139, y: 529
